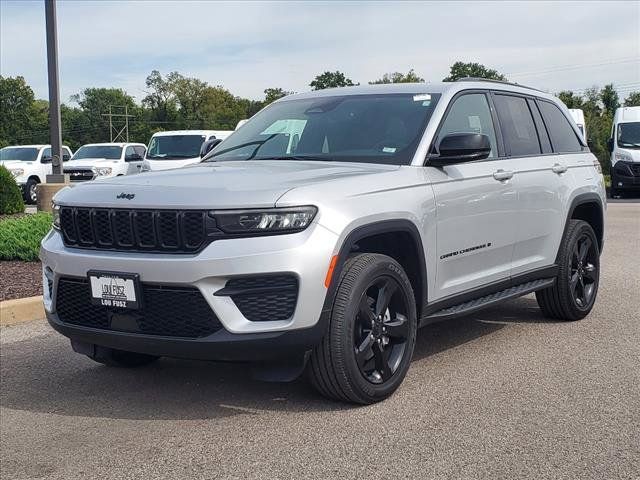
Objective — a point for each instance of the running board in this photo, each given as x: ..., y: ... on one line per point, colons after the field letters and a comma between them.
x: 479, y: 303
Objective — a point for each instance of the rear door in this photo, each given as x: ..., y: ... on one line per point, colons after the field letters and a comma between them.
x: 475, y: 205
x: 541, y: 174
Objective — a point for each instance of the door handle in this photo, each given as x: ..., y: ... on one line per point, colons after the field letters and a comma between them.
x: 558, y: 168
x: 502, y: 175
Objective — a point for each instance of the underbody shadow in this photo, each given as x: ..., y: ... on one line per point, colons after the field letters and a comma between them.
x: 42, y: 374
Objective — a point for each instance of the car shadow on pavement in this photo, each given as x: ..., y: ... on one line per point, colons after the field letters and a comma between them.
x: 42, y: 374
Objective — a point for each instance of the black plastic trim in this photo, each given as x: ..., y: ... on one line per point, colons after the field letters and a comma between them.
x: 494, y: 287
x: 581, y: 200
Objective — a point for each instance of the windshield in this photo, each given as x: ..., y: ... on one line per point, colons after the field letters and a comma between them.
x: 171, y: 147
x: 352, y: 128
x: 107, y: 152
x: 25, y: 154
x: 629, y: 135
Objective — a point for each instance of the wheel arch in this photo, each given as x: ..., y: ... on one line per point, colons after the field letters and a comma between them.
x: 588, y: 207
x: 399, y: 239
x: 34, y: 177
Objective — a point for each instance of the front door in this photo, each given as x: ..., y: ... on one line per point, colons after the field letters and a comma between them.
x: 476, y: 207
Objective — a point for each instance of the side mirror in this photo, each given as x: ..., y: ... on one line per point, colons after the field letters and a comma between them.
x: 610, y: 145
x: 209, y: 145
x: 66, y: 157
x: 134, y: 157
x: 461, y: 147
x: 46, y: 159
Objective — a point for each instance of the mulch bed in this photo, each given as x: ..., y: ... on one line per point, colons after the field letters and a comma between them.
x: 20, y: 279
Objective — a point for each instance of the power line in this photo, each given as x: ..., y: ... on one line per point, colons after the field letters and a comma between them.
x: 561, y: 68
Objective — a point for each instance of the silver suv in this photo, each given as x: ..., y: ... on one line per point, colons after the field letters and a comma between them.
x: 326, y: 230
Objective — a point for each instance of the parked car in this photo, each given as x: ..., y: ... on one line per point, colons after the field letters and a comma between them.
x: 624, y: 146
x: 179, y: 148
x: 103, y: 160
x: 399, y: 205
x: 578, y: 117
x: 30, y: 165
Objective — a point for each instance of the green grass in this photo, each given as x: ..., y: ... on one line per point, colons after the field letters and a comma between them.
x: 20, y: 237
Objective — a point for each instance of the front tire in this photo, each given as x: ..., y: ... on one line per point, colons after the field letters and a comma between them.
x: 367, y: 349
x: 31, y: 191
x: 573, y: 295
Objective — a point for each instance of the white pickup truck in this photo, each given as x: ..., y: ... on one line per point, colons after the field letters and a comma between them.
x: 30, y: 165
x: 102, y: 160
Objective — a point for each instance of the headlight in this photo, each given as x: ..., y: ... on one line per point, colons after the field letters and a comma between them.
x: 101, y: 171
x: 55, y: 209
x: 273, y: 220
x: 16, y: 172
x: 623, y: 157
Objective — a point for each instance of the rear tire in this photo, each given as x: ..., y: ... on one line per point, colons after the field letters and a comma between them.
x: 119, y: 358
x: 367, y: 348
x: 574, y: 293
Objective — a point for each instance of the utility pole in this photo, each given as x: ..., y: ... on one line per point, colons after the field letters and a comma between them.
x: 54, y: 93
x: 118, y: 132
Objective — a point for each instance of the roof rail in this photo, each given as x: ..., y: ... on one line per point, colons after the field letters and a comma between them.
x: 490, y: 80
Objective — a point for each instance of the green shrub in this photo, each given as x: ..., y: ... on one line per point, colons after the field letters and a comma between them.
x: 10, y: 195
x: 20, y: 237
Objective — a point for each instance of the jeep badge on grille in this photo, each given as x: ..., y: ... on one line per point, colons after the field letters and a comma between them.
x: 128, y: 196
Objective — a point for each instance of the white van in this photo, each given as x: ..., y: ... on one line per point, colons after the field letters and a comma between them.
x: 578, y: 117
x: 30, y: 165
x: 179, y: 148
x: 624, y: 146
x: 102, y: 160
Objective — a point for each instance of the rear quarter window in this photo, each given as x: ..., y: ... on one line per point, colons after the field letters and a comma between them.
x: 563, y: 137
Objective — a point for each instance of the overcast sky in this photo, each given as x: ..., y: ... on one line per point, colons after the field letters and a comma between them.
x: 247, y: 47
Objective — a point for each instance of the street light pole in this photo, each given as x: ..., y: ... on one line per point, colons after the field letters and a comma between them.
x: 54, y: 93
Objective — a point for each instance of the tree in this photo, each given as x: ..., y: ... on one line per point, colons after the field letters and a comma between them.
x: 609, y: 98
x: 16, y: 105
x: 273, y: 94
x: 633, y: 100
x: 397, y: 77
x: 461, y: 70
x: 331, y: 80
x: 161, y: 97
x: 570, y: 99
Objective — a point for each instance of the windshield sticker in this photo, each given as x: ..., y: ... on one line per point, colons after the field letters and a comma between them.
x: 389, y: 149
x: 425, y: 98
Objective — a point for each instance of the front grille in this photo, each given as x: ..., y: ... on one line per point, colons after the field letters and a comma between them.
x: 265, y: 297
x: 79, y: 175
x: 635, y: 169
x: 135, y: 229
x: 166, y: 311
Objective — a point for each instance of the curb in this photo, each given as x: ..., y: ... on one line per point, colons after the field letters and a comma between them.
x: 21, y: 310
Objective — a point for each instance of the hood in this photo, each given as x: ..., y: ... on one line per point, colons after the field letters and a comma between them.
x: 90, y: 162
x: 247, y: 184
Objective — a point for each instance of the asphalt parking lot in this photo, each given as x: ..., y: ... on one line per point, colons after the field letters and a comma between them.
x: 502, y: 394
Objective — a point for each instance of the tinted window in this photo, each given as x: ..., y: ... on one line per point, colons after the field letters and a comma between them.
x: 563, y: 136
x: 470, y: 114
x: 46, y: 153
x: 129, y: 151
x: 140, y: 150
x: 107, y: 152
x: 629, y: 135
x: 545, y: 143
x: 19, y: 153
x: 518, y: 129
x: 384, y: 128
x: 66, y: 154
x: 175, y: 147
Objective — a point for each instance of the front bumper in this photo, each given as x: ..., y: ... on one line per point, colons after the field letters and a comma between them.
x: 305, y: 255
x: 625, y: 176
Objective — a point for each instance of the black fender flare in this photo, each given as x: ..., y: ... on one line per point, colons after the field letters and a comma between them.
x: 581, y: 199
x: 367, y: 230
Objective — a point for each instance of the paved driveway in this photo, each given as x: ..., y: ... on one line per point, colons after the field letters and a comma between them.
x: 502, y: 394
